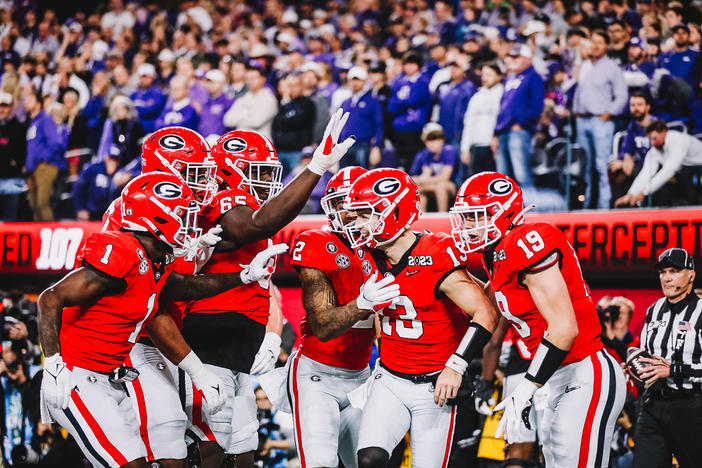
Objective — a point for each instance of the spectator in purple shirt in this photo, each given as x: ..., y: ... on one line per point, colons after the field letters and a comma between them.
x: 520, y: 109
x: 635, y: 144
x: 179, y: 111
x: 212, y: 115
x: 434, y: 168
x: 44, y: 157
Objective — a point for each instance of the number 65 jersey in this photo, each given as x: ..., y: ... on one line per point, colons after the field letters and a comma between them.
x: 424, y: 328
x: 531, y: 248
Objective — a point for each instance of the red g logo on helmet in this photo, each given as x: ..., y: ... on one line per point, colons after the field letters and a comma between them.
x: 387, y: 186
x: 167, y: 190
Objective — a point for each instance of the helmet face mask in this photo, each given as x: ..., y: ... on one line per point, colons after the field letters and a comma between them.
x: 472, y: 228
x: 333, y: 202
x: 263, y: 179
x: 365, y: 227
x: 200, y: 177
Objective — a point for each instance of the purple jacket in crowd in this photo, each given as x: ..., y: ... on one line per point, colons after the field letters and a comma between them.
x: 522, y: 102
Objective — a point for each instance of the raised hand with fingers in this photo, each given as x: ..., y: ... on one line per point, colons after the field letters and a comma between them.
x: 330, y: 151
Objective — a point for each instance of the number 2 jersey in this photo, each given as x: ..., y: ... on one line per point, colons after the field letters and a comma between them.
x: 328, y: 253
x: 99, y: 336
x: 424, y: 328
x: 530, y: 248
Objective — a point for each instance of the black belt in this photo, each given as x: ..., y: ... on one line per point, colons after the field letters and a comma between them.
x: 667, y: 393
x: 414, y: 378
x: 587, y: 115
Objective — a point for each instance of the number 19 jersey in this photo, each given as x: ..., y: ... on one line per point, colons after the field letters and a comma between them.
x: 424, y: 328
x: 530, y: 248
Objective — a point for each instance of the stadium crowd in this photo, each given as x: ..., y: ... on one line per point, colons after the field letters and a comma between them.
x: 442, y: 89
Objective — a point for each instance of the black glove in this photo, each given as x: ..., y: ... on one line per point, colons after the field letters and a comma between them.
x: 483, y: 396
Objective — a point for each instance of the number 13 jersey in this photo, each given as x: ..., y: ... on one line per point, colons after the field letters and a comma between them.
x: 424, y: 328
x: 531, y: 248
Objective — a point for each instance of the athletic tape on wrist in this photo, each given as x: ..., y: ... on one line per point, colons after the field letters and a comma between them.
x: 473, y: 342
x: 547, y: 359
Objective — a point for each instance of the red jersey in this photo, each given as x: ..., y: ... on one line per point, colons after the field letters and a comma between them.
x: 99, y: 336
x: 421, y: 332
x: 251, y: 300
x: 112, y: 219
x: 327, y: 252
x: 532, y: 248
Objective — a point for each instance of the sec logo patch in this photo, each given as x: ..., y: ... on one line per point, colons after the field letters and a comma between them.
x: 343, y: 261
x: 331, y: 248
x: 366, y: 267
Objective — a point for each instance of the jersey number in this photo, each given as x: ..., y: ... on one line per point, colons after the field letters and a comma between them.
x: 519, y: 325
x: 297, y: 252
x: 106, y: 258
x: 455, y: 259
x: 149, y: 308
x: 536, y: 243
x: 412, y: 332
x: 225, y: 204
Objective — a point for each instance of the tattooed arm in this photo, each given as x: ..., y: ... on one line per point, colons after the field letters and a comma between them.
x: 194, y: 287
x: 82, y: 286
x: 326, y: 319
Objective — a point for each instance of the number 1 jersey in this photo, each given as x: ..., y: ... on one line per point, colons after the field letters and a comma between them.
x: 99, y: 336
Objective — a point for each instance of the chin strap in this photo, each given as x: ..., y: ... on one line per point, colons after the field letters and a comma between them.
x: 520, y: 216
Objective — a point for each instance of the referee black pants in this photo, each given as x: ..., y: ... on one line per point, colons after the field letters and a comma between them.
x: 668, y: 427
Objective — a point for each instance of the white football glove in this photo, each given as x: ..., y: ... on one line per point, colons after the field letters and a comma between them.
x: 263, y: 264
x: 330, y: 151
x: 206, y: 245
x: 376, y: 295
x: 267, y: 354
x: 56, y: 382
x: 517, y: 412
x: 210, y: 385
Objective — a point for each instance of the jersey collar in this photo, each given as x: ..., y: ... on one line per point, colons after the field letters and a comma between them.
x: 381, y: 261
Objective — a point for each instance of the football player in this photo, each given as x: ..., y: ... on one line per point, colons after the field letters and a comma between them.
x: 227, y: 331
x: 427, y: 338
x: 90, y: 320
x: 182, y: 152
x: 337, y: 335
x: 537, y: 283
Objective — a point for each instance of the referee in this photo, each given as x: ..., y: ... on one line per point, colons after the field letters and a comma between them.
x: 670, y: 416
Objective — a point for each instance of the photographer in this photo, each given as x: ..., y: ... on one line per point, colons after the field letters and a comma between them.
x: 19, y: 406
x: 614, y: 319
x: 275, y: 434
x: 19, y: 323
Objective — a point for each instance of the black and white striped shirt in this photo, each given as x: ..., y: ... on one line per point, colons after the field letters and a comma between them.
x: 674, y: 332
